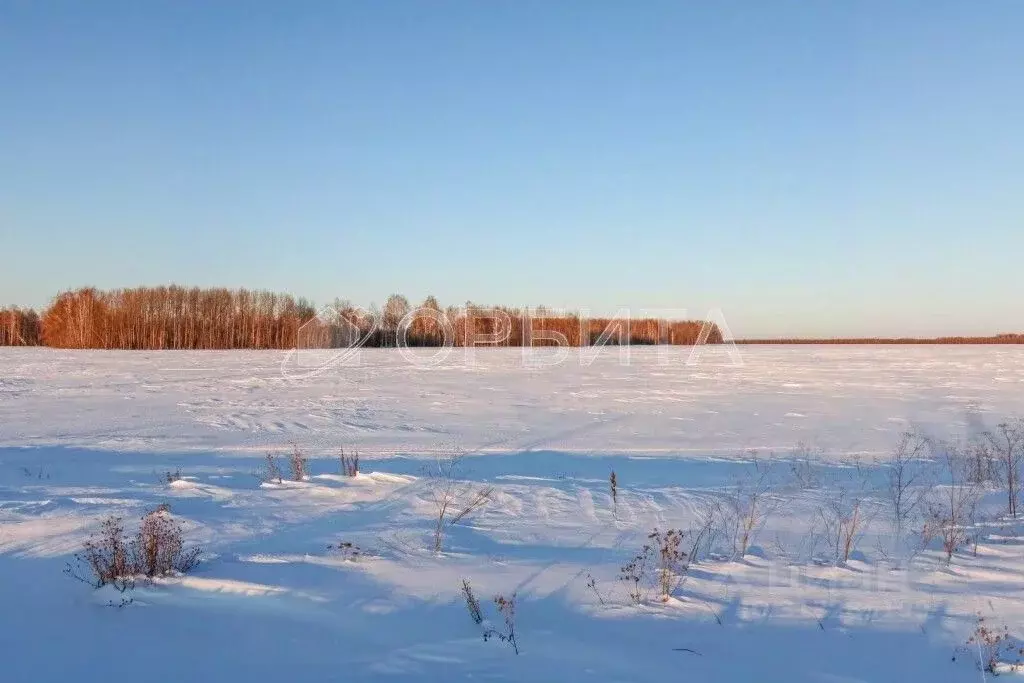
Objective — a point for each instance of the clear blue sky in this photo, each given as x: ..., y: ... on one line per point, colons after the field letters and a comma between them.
x: 811, y: 168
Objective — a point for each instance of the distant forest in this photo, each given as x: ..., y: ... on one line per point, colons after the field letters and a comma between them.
x: 157, y: 318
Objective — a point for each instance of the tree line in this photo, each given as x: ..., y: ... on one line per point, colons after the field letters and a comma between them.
x: 180, y: 318
x: 157, y: 318
x: 19, y: 327
x: 400, y: 323
x: 174, y: 317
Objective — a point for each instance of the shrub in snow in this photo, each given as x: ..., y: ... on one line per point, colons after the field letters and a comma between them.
x: 747, y: 507
x: 635, y: 574
x: 472, y: 604
x: 909, y: 481
x: 843, y: 518
x: 270, y: 473
x: 662, y: 562
x: 349, y: 463
x: 106, y: 555
x: 506, y: 608
x: 1008, y: 449
x: 613, y: 484
x: 299, y: 464
x: 983, y: 460
x: 994, y: 647
x: 804, y: 466
x: 952, y: 508
x: 592, y: 585
x: 38, y: 474
x: 157, y: 549
x: 453, y: 500
x: 348, y: 550
x: 671, y: 560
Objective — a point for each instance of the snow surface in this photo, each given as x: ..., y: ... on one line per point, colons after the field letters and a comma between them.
x: 84, y: 435
x: 842, y: 398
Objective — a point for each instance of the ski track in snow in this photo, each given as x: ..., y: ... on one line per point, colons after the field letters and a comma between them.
x: 85, y: 435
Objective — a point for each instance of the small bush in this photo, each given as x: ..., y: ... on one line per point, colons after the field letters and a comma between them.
x: 661, y: 564
x: 951, y: 509
x: 349, y: 463
x: 271, y: 471
x: 994, y: 647
x: 613, y: 484
x: 452, y: 499
x: 635, y: 574
x: 672, y: 560
x: 506, y: 608
x: 157, y: 549
x: 843, y: 521
x: 349, y: 551
x: 299, y: 464
x: 747, y: 507
x: 592, y: 585
x: 39, y: 474
x: 472, y: 604
x: 106, y: 555
x: 803, y: 466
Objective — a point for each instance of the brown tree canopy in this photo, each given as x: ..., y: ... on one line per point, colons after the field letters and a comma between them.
x: 176, y: 317
x: 173, y: 317
x: 19, y: 327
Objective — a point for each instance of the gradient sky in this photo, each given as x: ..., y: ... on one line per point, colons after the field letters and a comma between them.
x: 811, y: 168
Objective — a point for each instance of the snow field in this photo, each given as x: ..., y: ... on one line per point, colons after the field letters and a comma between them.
x: 85, y: 436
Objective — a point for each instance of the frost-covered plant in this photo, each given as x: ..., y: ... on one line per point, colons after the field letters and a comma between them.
x: 270, y: 473
x: 1008, y: 447
x: 634, y: 574
x: 982, y: 459
x: 908, y: 482
x: 747, y: 507
x: 453, y: 499
x: 613, y: 484
x: 802, y: 467
x: 472, y: 604
x: 994, y: 647
x: 159, y: 546
x: 106, y: 555
x: 157, y: 549
x: 38, y: 474
x: 843, y: 517
x: 506, y: 608
x: 349, y: 551
x: 672, y: 560
x: 349, y: 463
x: 592, y: 585
x: 952, y: 507
x: 299, y: 464
x: 661, y: 564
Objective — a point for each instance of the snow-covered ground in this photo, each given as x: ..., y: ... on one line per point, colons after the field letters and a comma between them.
x: 84, y: 435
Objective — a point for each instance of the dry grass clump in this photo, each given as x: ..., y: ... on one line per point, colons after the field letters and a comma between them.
x: 157, y: 549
